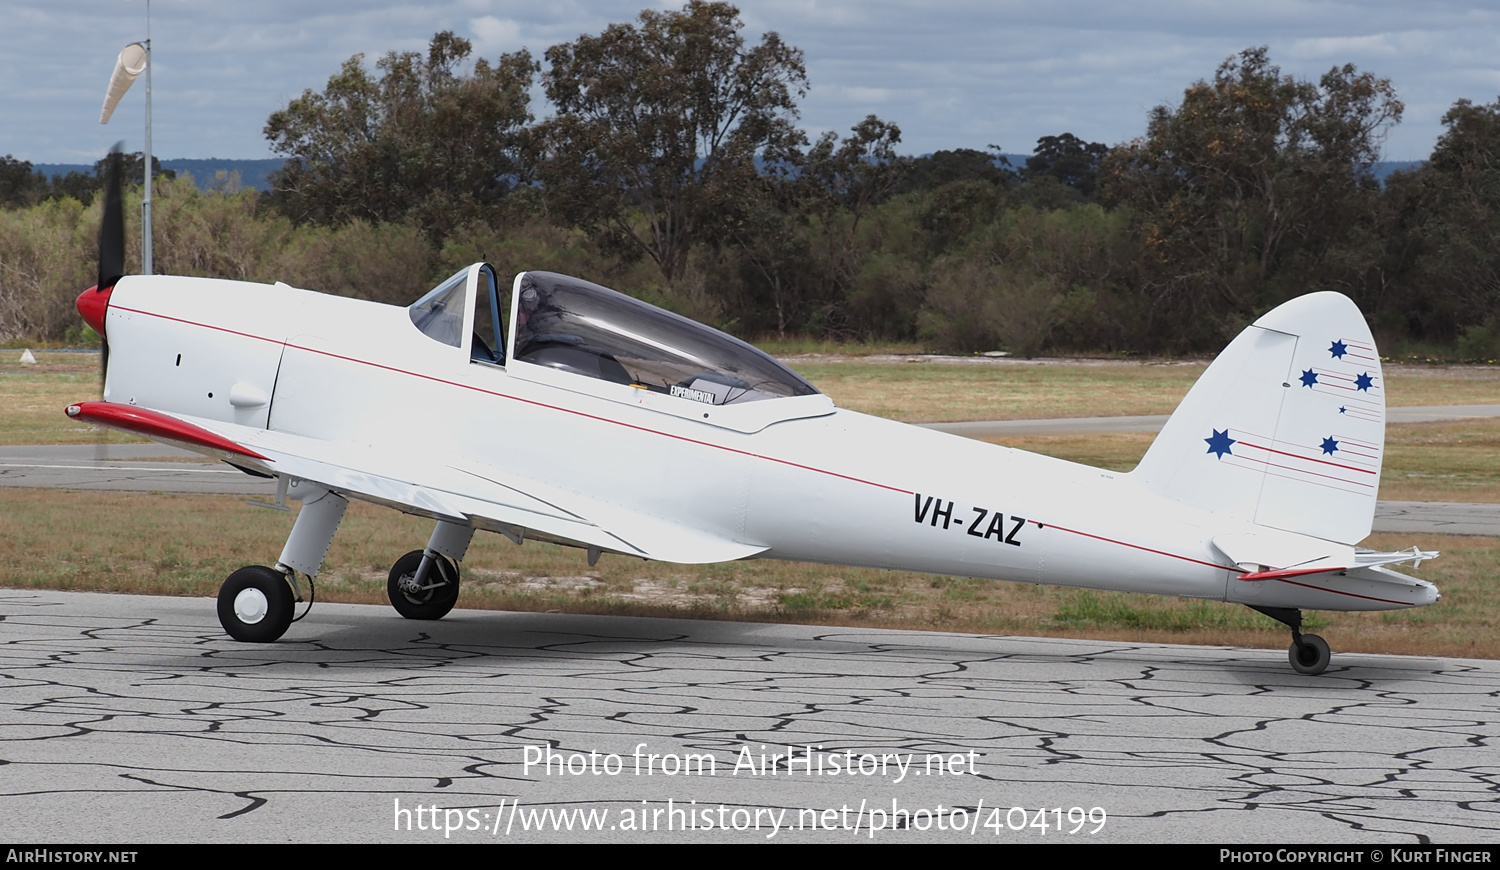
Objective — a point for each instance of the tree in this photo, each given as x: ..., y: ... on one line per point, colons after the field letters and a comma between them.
x: 133, y: 168
x: 798, y: 223
x: 1068, y: 159
x: 961, y: 164
x: 1447, y: 215
x: 1243, y: 191
x: 659, y: 125
x: 19, y: 185
x: 424, y: 143
x: 858, y: 172
x: 76, y: 185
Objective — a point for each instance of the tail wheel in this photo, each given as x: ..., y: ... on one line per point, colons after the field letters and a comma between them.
x: 1309, y: 655
x: 434, y: 598
x: 255, y: 604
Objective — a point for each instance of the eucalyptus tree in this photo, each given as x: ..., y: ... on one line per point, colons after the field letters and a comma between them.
x: 428, y: 141
x: 659, y: 126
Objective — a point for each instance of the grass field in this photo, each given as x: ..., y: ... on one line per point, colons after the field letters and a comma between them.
x: 1456, y: 461
x: 924, y: 390
x: 946, y: 390
x: 186, y: 545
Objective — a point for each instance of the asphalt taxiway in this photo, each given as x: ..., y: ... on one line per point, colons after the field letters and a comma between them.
x: 133, y: 718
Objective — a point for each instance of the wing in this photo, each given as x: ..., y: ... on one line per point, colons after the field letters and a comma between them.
x: 430, y: 484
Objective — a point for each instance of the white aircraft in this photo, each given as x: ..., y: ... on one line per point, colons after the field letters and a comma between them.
x: 558, y: 410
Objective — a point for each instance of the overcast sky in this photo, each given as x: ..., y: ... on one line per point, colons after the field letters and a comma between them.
x: 951, y: 74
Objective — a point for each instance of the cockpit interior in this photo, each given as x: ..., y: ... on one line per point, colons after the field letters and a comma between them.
x: 575, y: 326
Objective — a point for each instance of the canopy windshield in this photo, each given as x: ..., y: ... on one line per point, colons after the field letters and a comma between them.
x: 440, y: 314
x: 572, y: 325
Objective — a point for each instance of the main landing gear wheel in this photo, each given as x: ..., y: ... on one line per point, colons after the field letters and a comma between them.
x: 255, y: 604
x: 431, y: 601
x: 1309, y: 655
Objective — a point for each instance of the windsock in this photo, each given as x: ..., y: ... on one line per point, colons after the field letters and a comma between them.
x: 132, y: 63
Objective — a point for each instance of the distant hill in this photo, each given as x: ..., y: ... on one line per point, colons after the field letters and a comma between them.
x: 1381, y: 170
x: 254, y: 174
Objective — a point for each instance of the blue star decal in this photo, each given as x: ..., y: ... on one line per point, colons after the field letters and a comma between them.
x: 1364, y: 382
x: 1309, y: 378
x: 1343, y: 409
x: 1330, y: 445
x: 1219, y: 444
x: 1338, y: 349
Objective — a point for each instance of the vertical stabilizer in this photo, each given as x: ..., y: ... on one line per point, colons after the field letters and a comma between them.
x: 1286, y: 428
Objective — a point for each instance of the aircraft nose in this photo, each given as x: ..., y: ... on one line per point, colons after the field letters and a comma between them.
x: 92, y: 304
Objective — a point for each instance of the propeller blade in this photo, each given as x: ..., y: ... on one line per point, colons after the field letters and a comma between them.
x: 112, y: 223
x: 111, y: 242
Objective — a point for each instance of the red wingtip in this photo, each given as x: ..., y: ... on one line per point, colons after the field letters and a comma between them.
x: 153, y: 424
x: 92, y: 304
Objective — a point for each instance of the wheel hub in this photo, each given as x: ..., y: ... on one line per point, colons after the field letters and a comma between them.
x: 250, y: 606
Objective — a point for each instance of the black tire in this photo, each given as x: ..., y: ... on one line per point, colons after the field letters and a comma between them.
x: 255, y: 604
x: 428, y: 603
x: 1310, y: 656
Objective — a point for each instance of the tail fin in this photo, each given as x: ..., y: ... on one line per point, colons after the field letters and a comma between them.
x: 1287, y: 427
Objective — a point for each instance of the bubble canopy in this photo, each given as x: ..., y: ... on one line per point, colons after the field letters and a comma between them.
x: 576, y: 326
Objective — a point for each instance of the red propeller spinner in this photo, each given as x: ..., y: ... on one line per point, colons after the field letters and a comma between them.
x: 93, y: 304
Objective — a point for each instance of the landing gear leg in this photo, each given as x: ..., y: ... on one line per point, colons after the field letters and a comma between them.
x: 256, y: 603
x: 1308, y: 654
x: 424, y: 583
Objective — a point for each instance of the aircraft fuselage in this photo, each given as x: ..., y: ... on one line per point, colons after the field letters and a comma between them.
x: 794, y: 478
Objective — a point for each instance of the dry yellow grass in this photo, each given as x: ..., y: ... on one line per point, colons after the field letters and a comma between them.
x: 33, y: 398
x: 1456, y: 461
x: 924, y: 391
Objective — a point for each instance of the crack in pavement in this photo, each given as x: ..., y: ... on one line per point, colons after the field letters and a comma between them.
x: 135, y: 718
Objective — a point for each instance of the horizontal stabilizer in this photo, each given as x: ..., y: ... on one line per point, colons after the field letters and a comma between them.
x: 1273, y: 550
x: 1370, y: 558
x: 1371, y: 587
x: 1367, y: 564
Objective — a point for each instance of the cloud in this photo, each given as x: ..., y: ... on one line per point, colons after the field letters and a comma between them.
x: 494, y: 36
x: 860, y: 95
x: 962, y: 73
x: 1343, y: 46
